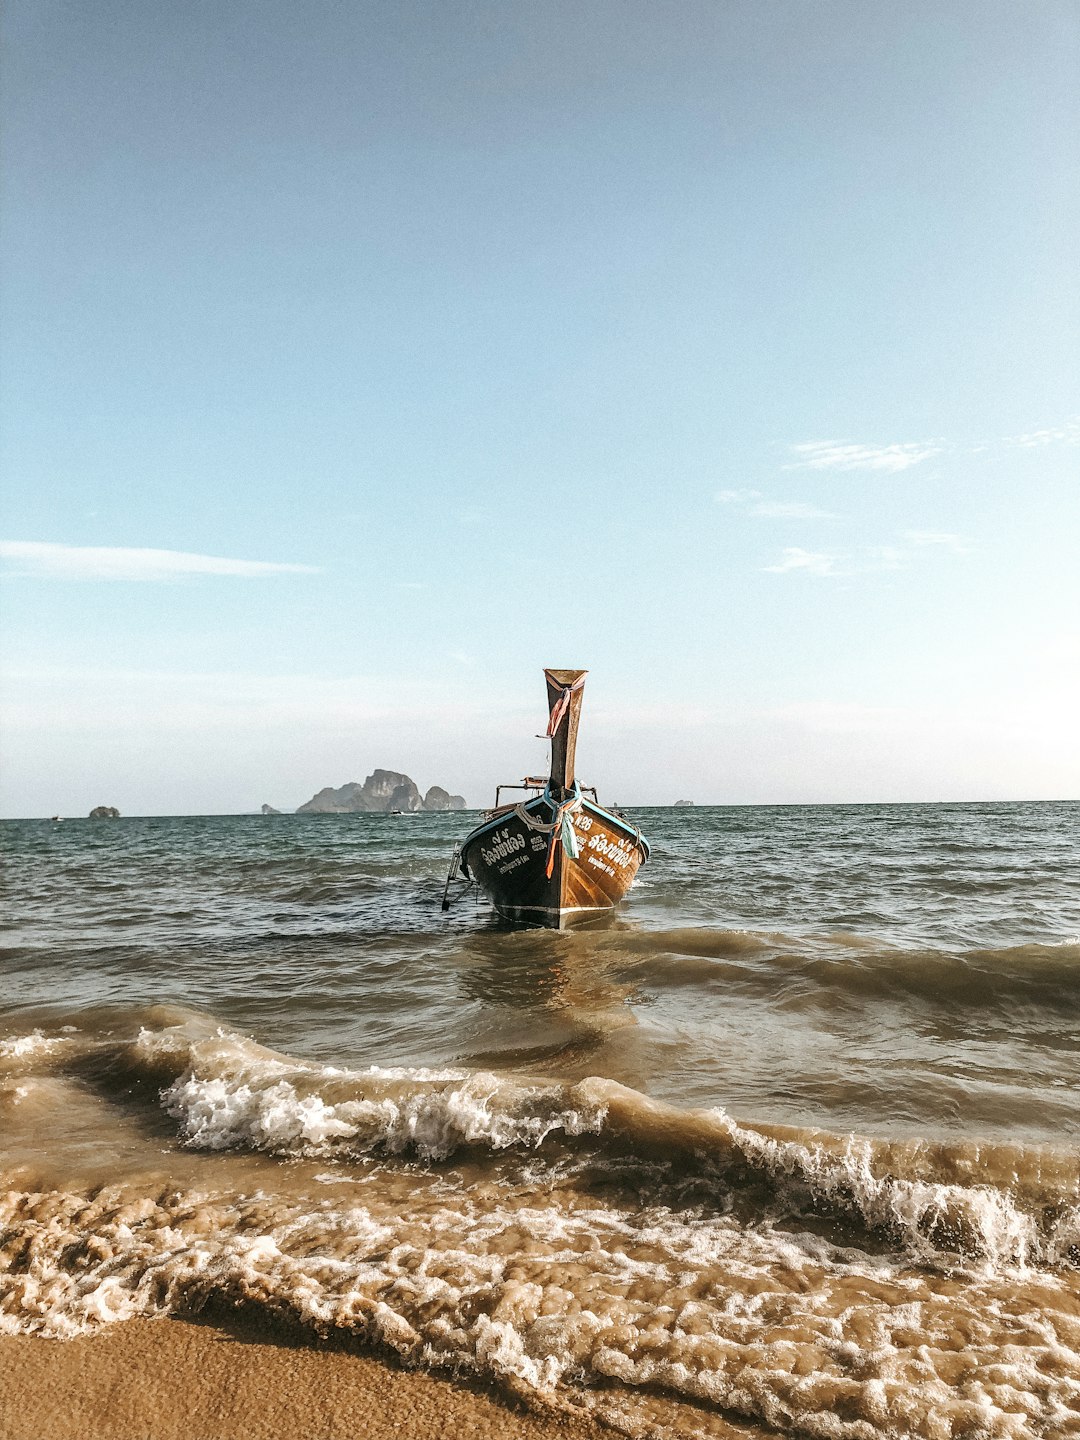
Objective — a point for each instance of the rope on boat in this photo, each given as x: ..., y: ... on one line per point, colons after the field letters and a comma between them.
x: 561, y: 828
x: 568, y: 807
x: 565, y: 811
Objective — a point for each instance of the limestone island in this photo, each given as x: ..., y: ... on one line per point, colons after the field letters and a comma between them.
x: 382, y: 793
x: 679, y: 803
x: 104, y: 812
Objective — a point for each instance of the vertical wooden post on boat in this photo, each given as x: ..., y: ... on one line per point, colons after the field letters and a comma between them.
x: 564, y: 737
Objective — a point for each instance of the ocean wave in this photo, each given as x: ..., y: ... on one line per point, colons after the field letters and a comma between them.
x: 935, y: 1203
x: 839, y: 963
x: 217, y: 1113
x: 574, y: 1243
x: 938, y: 1203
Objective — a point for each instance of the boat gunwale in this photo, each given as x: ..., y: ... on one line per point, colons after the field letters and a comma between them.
x: 510, y: 810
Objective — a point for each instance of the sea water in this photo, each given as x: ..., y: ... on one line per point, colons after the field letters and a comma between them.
x: 790, y: 1141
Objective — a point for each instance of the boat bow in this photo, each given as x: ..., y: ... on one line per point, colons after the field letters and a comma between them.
x: 556, y: 856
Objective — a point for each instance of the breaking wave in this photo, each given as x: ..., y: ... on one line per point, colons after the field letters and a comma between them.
x: 575, y: 1243
x: 1002, y: 1204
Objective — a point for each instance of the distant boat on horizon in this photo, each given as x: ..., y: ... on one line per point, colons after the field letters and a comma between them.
x: 556, y: 857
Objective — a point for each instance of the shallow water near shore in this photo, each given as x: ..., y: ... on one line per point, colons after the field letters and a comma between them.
x: 793, y: 1138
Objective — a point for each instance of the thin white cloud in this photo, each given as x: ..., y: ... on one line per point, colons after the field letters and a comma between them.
x: 842, y: 455
x: 807, y: 562
x: 944, y: 538
x: 47, y: 561
x: 790, y: 510
x: 882, y: 557
x: 845, y: 455
x: 736, y: 497
x: 1067, y: 434
x: 869, y: 560
x: 753, y: 502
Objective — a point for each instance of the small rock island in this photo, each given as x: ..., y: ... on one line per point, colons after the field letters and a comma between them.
x: 382, y: 792
x: 104, y: 812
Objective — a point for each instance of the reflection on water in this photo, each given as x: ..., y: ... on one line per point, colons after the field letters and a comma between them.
x: 547, y: 997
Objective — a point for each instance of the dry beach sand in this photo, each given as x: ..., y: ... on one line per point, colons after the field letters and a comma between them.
x: 178, y: 1380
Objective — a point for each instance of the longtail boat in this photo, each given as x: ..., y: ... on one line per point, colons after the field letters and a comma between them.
x: 557, y: 856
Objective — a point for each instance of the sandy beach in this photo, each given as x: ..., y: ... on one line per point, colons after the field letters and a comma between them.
x: 177, y: 1380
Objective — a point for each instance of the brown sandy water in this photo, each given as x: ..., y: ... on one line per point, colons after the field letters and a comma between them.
x: 818, y: 1176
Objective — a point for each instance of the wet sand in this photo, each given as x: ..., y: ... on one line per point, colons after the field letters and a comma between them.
x: 174, y: 1380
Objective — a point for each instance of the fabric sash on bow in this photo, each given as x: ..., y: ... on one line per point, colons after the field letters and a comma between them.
x: 562, y: 830
x: 562, y: 704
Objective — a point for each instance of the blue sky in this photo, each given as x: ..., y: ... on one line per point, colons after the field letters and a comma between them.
x: 358, y: 361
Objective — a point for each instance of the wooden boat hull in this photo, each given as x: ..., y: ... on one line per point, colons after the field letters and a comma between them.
x: 507, y: 856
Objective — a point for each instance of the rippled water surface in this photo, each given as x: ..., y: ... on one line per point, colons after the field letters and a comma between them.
x: 791, y: 1140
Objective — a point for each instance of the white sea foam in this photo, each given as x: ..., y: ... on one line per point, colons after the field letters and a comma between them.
x: 931, y: 1217
x: 419, y: 1073
x: 26, y: 1047
x: 221, y: 1114
x: 232, y: 1093
x: 560, y: 1276
x: 229, y: 1093
x: 553, y: 1293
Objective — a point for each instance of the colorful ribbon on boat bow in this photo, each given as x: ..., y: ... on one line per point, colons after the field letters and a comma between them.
x: 562, y: 827
x: 559, y: 709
